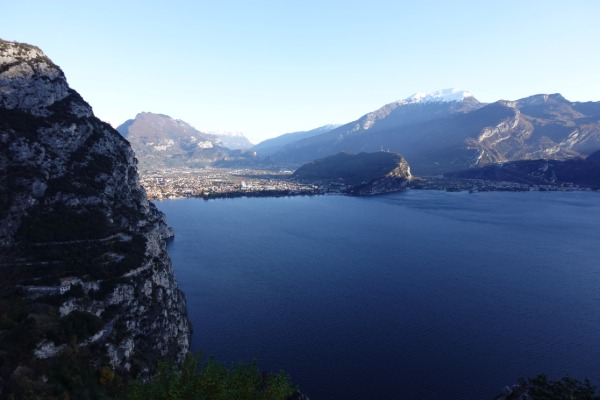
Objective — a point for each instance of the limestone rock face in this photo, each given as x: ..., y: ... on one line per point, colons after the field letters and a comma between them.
x: 30, y: 81
x: 71, y: 205
x: 397, y: 179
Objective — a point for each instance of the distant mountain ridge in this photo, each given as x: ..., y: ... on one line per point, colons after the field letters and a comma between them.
x: 233, y: 140
x: 271, y: 146
x: 451, y: 130
x: 444, y: 95
x: 438, y: 132
x: 160, y: 141
x: 368, y: 133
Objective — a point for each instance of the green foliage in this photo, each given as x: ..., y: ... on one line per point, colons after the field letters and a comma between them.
x: 212, y: 381
x: 567, y: 388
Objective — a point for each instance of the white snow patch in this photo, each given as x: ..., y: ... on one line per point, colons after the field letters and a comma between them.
x: 438, y: 96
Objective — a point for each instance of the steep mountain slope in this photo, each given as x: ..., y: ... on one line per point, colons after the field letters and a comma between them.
x: 364, y: 133
x: 271, y: 146
x: 85, y: 279
x: 450, y: 130
x: 540, y: 127
x: 160, y: 141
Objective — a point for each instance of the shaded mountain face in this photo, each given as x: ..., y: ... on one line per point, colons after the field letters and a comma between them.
x: 364, y: 173
x: 447, y: 134
x: 74, y: 216
x: 371, y: 132
x: 271, y: 146
x: 160, y: 141
x: 584, y: 172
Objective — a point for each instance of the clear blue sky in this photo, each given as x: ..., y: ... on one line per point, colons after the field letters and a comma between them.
x: 269, y: 67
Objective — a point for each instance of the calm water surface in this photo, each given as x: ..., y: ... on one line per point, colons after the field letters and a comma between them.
x: 412, y: 295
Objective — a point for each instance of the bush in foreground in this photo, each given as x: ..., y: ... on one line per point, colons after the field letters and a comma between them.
x: 567, y: 388
x: 212, y: 381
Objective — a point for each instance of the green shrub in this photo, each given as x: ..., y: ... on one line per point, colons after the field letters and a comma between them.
x: 567, y: 388
x: 212, y: 380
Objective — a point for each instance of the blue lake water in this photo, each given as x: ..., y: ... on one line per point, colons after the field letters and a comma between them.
x: 411, y: 295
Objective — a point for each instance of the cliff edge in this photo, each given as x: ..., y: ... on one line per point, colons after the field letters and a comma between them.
x: 84, y: 272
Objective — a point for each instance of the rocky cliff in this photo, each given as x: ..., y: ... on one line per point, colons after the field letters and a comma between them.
x: 83, y: 265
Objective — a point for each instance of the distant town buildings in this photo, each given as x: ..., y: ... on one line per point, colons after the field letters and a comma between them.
x: 221, y: 182
x: 217, y: 182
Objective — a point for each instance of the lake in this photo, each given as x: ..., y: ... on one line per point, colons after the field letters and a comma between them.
x: 410, y: 295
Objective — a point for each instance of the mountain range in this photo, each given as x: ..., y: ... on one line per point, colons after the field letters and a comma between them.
x: 451, y: 130
x: 437, y: 132
x: 161, y: 141
x: 271, y: 146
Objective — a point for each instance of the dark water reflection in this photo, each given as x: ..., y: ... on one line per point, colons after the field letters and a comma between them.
x: 414, y: 295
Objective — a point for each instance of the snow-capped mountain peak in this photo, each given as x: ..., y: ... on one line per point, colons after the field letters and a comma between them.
x: 438, y: 96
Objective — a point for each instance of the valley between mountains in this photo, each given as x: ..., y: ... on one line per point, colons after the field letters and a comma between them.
x: 448, y: 138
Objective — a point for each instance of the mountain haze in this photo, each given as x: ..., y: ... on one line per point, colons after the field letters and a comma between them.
x: 233, y: 140
x: 271, y: 146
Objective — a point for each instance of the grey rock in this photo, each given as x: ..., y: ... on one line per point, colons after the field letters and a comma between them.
x: 58, y: 161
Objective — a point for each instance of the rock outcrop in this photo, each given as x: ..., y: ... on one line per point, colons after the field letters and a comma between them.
x: 71, y: 206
